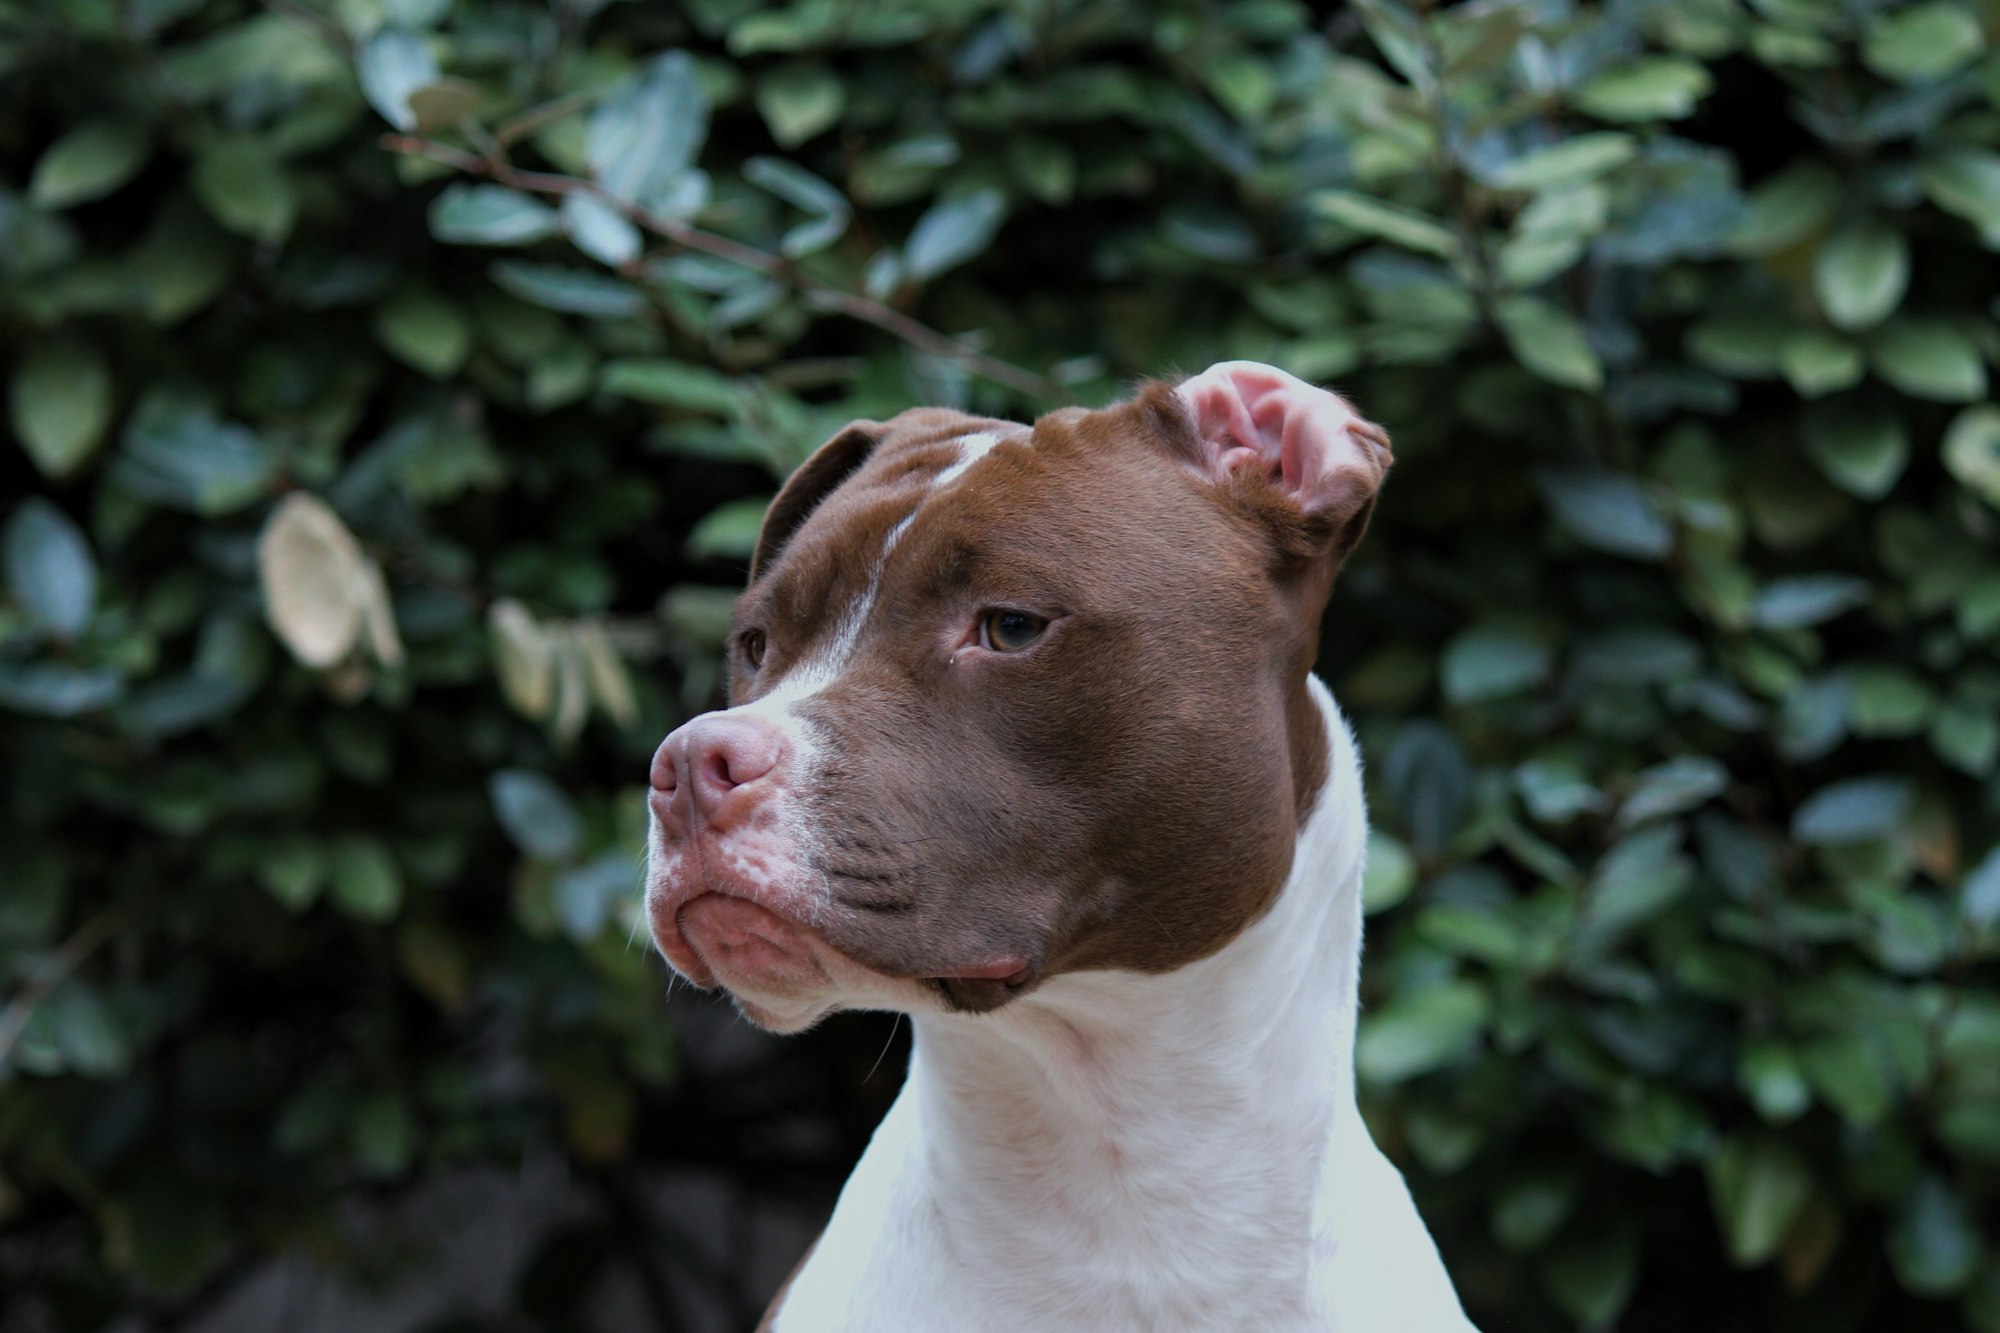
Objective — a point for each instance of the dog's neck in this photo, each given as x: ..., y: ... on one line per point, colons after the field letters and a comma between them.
x: 1166, y: 1138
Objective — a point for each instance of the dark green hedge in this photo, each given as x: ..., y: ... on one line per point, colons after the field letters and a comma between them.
x: 394, y: 385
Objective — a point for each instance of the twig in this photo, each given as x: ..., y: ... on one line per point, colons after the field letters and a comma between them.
x: 821, y: 295
x: 78, y: 947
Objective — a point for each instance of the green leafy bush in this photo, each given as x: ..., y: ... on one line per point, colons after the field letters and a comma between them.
x: 395, y: 386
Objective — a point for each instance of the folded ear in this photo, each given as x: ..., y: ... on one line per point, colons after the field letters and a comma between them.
x: 1325, y: 459
x: 815, y: 479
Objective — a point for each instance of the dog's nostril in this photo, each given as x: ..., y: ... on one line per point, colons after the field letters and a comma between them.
x: 715, y: 767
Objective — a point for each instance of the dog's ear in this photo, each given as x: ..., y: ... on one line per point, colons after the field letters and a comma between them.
x: 1326, y: 461
x: 816, y: 478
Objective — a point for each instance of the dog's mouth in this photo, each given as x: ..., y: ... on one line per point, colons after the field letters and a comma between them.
x: 777, y: 944
x: 726, y: 939
x: 717, y: 937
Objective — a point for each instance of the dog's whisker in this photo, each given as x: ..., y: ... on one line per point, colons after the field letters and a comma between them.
x: 894, y: 1024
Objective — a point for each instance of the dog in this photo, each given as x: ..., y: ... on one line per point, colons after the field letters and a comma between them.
x: 1025, y: 744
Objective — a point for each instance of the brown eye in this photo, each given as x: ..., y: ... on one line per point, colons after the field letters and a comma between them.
x: 752, y: 643
x: 1006, y: 631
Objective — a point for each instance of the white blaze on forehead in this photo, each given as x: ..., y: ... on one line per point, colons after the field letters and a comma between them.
x: 971, y: 448
x: 815, y: 674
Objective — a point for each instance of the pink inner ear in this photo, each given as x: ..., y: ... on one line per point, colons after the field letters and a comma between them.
x: 1309, y: 439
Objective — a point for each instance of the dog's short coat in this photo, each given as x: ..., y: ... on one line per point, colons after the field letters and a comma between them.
x: 1025, y: 745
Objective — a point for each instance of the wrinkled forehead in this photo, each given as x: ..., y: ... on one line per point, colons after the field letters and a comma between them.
x: 930, y: 465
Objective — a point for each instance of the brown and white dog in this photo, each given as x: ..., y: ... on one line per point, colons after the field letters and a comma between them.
x: 1025, y: 744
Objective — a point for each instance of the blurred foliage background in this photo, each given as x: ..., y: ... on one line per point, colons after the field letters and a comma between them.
x: 393, y: 389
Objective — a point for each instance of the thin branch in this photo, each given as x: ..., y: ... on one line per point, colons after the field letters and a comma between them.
x: 820, y: 295
x: 77, y: 948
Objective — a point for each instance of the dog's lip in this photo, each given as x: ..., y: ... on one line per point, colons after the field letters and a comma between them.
x: 1008, y: 971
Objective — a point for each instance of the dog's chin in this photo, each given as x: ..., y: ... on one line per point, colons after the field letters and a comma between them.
x: 783, y: 976
x: 778, y: 972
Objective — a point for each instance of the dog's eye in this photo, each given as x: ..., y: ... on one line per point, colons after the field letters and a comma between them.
x: 752, y: 643
x: 1007, y: 631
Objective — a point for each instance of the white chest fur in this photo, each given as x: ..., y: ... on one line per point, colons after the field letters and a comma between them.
x: 1119, y: 1151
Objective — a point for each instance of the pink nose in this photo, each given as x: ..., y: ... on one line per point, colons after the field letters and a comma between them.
x: 715, y: 771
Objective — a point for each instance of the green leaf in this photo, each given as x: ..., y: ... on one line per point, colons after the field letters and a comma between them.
x: 1418, y: 1031
x: 1816, y: 362
x: 1966, y: 735
x: 1920, y: 43
x: 1649, y: 88
x: 1428, y: 779
x: 1971, y: 451
x: 696, y: 388
x: 1745, y: 347
x: 1591, y: 1273
x: 1885, y: 700
x: 953, y: 231
x: 1929, y: 359
x: 1979, y: 897
x: 51, y: 689
x: 1769, y: 1073
x: 1392, y: 222
x: 89, y: 162
x: 293, y: 871
x: 599, y: 230
x: 1853, y: 810
x: 50, y: 569
x: 392, y: 65
x: 444, y: 103
x: 1758, y: 1187
x: 176, y: 452
x: 571, y: 290
x: 1397, y: 34
x: 1527, y: 1212
x: 729, y: 531
x: 1786, y: 209
x: 649, y: 131
x: 1934, y: 1239
x: 1808, y: 599
x: 1863, y: 452
x: 422, y: 329
x: 1606, y: 511
x: 366, y: 884
x: 61, y: 404
x: 490, y: 215
x: 245, y: 188
x: 1549, y: 341
x: 1851, y: 1076
x: 828, y: 206
x: 1633, y: 883
x: 536, y: 813
x: 87, y: 1031
x: 1861, y: 273
x: 1966, y: 181
x: 800, y: 100
x: 1669, y: 788
x: 1578, y: 159
x: 1557, y: 790
x: 385, y: 1135
x: 1391, y: 873
x: 1491, y: 661
x: 184, y: 262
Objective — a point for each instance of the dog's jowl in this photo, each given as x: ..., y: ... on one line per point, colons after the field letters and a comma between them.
x: 1024, y: 743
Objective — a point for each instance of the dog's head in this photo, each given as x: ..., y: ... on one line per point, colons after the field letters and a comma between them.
x: 1010, y: 701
